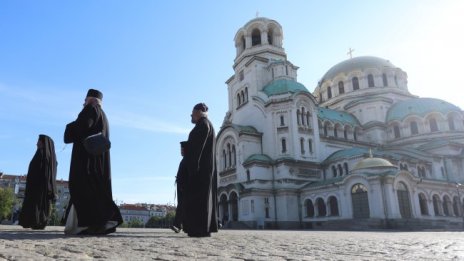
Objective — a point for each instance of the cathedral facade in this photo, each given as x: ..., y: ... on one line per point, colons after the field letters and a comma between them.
x: 360, y: 151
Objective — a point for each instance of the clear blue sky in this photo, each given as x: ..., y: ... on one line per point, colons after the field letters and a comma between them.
x: 153, y: 60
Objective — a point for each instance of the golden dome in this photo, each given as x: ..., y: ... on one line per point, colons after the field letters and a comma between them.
x: 372, y: 162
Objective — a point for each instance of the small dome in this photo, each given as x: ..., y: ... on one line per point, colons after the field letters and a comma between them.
x: 282, y: 86
x: 420, y: 107
x: 357, y: 63
x: 373, y: 163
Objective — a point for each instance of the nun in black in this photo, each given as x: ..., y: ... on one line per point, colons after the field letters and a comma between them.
x: 40, y: 186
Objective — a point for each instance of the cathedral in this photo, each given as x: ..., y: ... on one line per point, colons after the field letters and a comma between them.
x: 359, y: 152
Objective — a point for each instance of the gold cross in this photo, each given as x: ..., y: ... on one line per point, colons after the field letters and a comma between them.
x: 350, y: 52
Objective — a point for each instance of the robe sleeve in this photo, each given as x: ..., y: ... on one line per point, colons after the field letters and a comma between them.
x: 195, y: 146
x: 78, y: 129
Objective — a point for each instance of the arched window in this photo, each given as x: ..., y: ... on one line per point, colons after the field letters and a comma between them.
x: 456, y: 207
x: 370, y: 80
x: 282, y: 122
x: 302, y: 146
x: 229, y: 154
x: 403, y: 200
x: 308, y: 117
x: 239, y: 100
x: 284, y: 145
x: 423, y: 204
x: 255, y: 37
x: 436, y: 205
x: 340, y: 170
x: 355, y: 135
x: 224, y: 158
x: 326, y: 133
x: 233, y: 201
x: 396, y: 81
x: 355, y: 82
x: 345, y: 165
x: 345, y: 133
x: 243, y: 96
x: 421, y: 171
x: 447, y: 206
x: 234, y: 155
x: 248, y: 175
x: 302, y: 115
x: 334, y: 171
x: 360, y: 201
x: 298, y: 116
x: 321, y: 209
x: 433, y: 125
x: 243, y: 43
x: 329, y: 92
x: 414, y: 128
x: 335, y: 132
x: 333, y: 206
x: 396, y: 131
x: 246, y: 94
x: 451, y: 123
x: 384, y: 79
x: 270, y: 36
x: 309, y: 208
x: 341, y: 87
x: 310, y: 146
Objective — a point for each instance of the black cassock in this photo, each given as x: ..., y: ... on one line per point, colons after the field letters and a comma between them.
x: 200, y: 218
x: 90, y: 176
x: 40, y: 186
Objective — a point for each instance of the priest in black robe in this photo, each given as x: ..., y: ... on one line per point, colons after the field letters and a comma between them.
x: 181, y: 182
x: 200, y: 217
x: 91, y: 207
x: 40, y: 190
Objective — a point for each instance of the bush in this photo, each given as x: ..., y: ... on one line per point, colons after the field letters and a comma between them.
x: 7, y: 201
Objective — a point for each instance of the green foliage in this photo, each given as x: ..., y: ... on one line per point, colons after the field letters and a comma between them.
x: 163, y: 222
x: 53, y: 220
x: 133, y: 223
x: 7, y: 201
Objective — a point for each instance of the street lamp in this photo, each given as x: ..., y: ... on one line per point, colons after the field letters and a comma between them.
x: 460, y: 203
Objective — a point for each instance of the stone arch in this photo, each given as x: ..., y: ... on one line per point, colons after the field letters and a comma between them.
x: 309, y: 208
x: 332, y: 202
x: 233, y: 201
x: 404, y: 202
x: 321, y: 207
x: 360, y: 201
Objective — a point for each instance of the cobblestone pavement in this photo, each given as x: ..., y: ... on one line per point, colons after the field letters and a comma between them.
x: 163, y: 244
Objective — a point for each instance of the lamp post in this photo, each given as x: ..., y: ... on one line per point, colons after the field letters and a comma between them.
x: 461, y: 204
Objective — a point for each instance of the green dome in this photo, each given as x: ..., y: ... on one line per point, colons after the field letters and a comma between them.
x: 282, y: 86
x: 420, y: 107
x: 357, y: 63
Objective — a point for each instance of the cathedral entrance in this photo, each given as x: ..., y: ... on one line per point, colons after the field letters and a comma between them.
x: 360, y: 201
x: 234, y: 206
x: 403, y: 200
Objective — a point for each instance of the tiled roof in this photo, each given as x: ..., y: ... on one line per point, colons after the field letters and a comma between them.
x: 337, y: 116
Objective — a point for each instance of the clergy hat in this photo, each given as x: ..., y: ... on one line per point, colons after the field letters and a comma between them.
x: 95, y: 93
x: 201, y: 107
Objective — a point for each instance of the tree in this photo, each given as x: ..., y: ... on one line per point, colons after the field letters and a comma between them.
x: 7, y: 201
x: 154, y: 222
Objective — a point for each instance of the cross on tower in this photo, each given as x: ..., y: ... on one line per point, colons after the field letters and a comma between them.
x: 257, y: 14
x: 350, y: 52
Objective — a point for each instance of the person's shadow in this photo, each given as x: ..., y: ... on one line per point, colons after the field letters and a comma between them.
x: 30, y: 235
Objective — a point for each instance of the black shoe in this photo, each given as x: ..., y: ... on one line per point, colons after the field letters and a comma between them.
x: 175, y: 229
x: 199, y: 234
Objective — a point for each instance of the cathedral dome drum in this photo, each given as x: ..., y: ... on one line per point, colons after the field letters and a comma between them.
x: 420, y: 107
x: 357, y: 74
